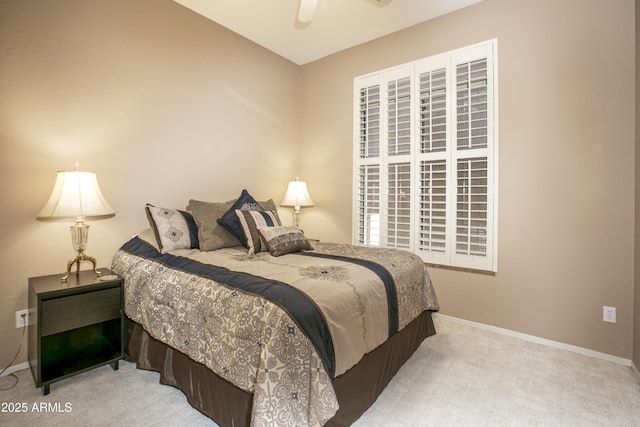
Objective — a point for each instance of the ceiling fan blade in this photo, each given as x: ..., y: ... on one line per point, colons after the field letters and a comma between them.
x: 307, y: 10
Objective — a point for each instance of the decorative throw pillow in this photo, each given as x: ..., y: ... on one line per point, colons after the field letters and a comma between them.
x: 270, y: 205
x: 174, y: 229
x: 284, y: 240
x: 229, y: 219
x: 211, y: 235
x: 250, y: 221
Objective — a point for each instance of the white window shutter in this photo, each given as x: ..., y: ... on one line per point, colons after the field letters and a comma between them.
x: 399, y: 205
x: 367, y: 160
x: 426, y: 158
x: 369, y: 124
x: 368, y: 230
x: 433, y: 111
x: 399, y: 116
x: 432, y: 234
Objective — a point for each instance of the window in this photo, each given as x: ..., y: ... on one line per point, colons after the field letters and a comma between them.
x: 425, y: 160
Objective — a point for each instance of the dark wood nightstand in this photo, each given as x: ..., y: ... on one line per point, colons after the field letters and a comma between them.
x: 74, y: 326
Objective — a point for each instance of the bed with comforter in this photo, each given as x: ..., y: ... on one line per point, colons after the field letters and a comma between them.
x: 276, y: 330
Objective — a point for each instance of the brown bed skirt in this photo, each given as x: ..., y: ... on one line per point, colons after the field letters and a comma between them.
x: 228, y: 405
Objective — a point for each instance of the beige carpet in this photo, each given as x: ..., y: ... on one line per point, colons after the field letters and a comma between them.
x: 463, y: 376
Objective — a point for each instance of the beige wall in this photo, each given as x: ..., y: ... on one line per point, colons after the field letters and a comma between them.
x: 566, y: 168
x: 161, y: 103
x: 165, y: 105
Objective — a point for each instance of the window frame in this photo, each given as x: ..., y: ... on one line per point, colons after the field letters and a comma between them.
x: 366, y: 124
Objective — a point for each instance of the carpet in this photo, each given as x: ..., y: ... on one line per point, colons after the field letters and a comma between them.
x: 463, y: 376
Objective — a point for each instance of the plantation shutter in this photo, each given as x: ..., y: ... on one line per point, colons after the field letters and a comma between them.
x: 369, y: 205
x: 433, y: 206
x: 474, y: 160
x: 471, y: 208
x: 471, y: 100
x: 433, y: 111
x: 399, y: 114
x: 425, y: 158
x: 431, y: 238
x: 399, y: 205
x: 370, y: 122
x: 368, y: 155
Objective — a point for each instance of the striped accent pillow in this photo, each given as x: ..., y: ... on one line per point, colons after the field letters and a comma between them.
x: 249, y: 222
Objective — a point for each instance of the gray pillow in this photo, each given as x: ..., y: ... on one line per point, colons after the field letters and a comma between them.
x: 211, y: 235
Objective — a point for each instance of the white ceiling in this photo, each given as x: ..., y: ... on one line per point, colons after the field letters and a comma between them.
x: 337, y: 25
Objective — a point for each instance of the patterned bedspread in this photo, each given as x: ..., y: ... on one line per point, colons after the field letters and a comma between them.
x: 280, y: 328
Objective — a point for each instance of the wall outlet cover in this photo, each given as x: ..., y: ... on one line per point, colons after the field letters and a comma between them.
x: 20, y: 322
x: 609, y: 314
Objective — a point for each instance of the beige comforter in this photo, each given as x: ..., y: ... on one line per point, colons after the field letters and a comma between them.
x: 254, y: 343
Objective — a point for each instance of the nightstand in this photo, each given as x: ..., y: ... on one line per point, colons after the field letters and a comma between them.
x: 74, y: 326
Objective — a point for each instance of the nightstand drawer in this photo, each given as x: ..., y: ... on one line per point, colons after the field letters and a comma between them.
x: 63, y: 314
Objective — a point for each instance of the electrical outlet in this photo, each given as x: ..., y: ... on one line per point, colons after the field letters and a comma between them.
x: 20, y: 321
x: 609, y: 314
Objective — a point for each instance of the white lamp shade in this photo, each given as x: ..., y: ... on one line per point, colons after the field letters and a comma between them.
x: 76, y: 194
x: 297, y: 195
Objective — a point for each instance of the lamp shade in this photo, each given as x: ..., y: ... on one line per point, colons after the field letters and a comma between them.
x: 297, y: 194
x: 76, y: 194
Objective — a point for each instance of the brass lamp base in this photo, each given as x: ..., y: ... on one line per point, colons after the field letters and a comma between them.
x: 77, y: 260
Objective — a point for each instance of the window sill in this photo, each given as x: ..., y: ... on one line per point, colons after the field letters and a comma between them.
x: 463, y: 269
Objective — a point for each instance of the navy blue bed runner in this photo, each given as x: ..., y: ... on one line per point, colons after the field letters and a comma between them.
x: 298, y: 305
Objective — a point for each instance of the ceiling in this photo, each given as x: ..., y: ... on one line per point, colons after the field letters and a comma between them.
x: 337, y: 25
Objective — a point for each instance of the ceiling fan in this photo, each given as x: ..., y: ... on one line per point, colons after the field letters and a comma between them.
x: 307, y: 9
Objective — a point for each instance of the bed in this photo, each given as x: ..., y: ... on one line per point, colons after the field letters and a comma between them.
x: 269, y: 329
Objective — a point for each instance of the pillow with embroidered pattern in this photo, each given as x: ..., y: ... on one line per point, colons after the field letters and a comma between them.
x: 173, y: 228
x: 284, y: 240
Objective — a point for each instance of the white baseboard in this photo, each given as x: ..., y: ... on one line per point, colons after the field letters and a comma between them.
x: 543, y: 341
x: 15, y: 368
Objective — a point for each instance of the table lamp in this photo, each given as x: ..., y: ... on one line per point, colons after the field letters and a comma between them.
x: 76, y: 194
x: 297, y: 196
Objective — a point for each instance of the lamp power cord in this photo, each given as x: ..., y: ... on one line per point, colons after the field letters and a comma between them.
x: 24, y: 328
